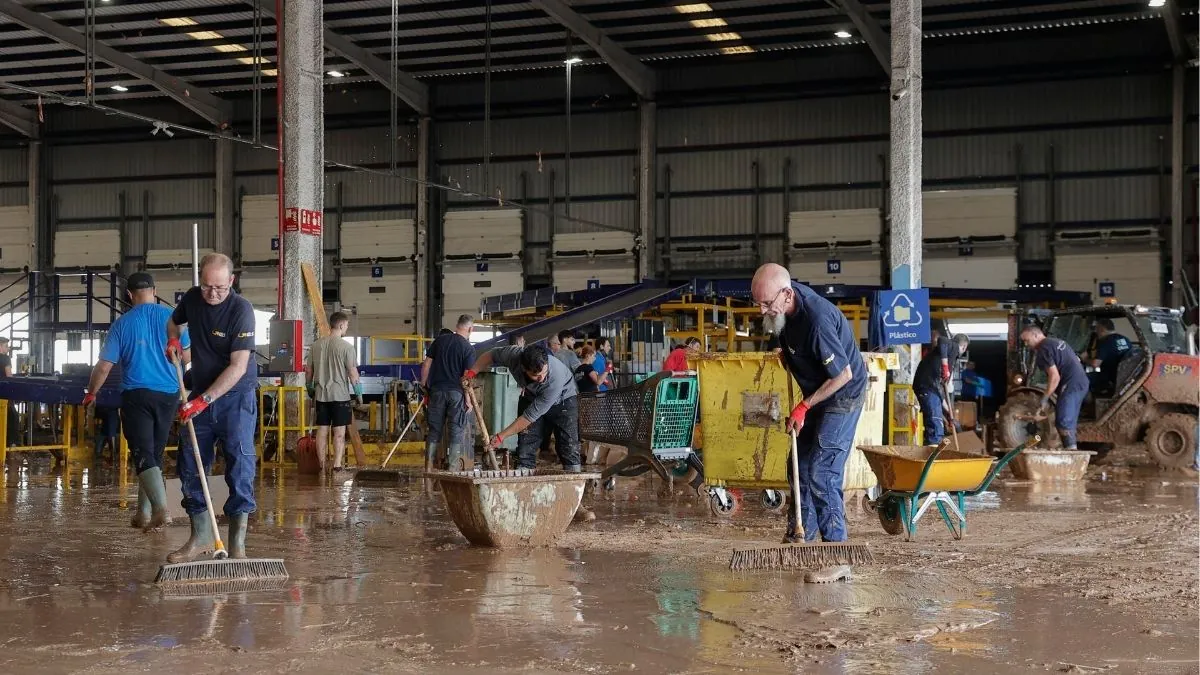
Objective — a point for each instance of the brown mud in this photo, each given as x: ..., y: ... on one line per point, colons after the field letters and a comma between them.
x: 1096, y: 577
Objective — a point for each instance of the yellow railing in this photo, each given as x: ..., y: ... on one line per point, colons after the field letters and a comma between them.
x: 281, y: 426
x: 412, y: 348
x: 69, y: 414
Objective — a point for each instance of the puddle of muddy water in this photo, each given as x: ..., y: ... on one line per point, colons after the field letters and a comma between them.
x: 381, y: 580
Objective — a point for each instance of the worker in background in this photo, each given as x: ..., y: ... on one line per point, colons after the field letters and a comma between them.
x: 149, y: 391
x: 586, y: 378
x: 549, y: 405
x: 333, y: 370
x: 1111, y: 347
x: 931, y: 383
x: 603, y: 364
x: 1065, y: 378
x: 450, y: 357
x: 553, y: 345
x: 567, y: 354
x: 820, y: 352
x: 676, y: 361
x: 222, y: 405
x: 517, y: 341
x: 6, y: 371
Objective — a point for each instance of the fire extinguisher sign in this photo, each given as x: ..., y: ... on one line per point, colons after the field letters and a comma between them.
x: 304, y: 221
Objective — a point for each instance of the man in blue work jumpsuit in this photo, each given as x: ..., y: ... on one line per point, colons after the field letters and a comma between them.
x: 933, y: 373
x: 1065, y: 378
x: 819, y: 350
x: 222, y: 402
x: 1111, y: 346
x: 149, y: 391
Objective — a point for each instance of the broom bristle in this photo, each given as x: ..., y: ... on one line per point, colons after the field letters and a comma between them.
x: 209, y: 588
x: 203, y: 571
x: 791, y: 556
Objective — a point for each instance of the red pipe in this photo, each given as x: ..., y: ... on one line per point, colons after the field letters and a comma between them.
x: 279, y: 137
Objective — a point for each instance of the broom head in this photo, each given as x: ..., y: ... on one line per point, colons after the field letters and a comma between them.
x: 208, y: 571
x: 793, y: 556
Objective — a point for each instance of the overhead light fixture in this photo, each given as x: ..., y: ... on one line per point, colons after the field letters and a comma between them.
x: 694, y: 8
x: 739, y: 49
x: 118, y: 87
x: 233, y: 48
x: 1158, y: 3
x: 842, y: 35
x: 572, y: 60
x: 723, y: 37
x: 707, y: 23
x: 336, y: 73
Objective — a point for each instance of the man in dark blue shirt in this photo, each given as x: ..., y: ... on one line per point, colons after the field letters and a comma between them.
x: 933, y: 373
x: 448, y: 359
x: 222, y: 403
x: 1065, y: 378
x: 819, y: 350
x: 1111, y: 346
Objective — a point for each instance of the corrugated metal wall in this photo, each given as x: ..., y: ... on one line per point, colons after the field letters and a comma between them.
x: 14, y: 176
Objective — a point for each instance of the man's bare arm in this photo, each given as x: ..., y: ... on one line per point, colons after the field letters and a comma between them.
x: 99, y: 374
x: 238, y: 361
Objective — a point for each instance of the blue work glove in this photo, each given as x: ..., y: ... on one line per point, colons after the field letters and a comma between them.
x: 358, y: 389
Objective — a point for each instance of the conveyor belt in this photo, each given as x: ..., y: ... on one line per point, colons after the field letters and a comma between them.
x: 629, y: 302
x: 56, y: 389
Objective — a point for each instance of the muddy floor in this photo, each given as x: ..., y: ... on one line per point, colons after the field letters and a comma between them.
x: 1098, y: 577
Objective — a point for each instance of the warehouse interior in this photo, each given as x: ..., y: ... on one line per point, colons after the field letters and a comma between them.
x: 618, y: 173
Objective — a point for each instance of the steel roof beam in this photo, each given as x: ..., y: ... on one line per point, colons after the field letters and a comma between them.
x: 870, y: 30
x: 19, y: 118
x: 1175, y: 34
x: 407, y: 88
x: 636, y: 74
x: 200, y: 101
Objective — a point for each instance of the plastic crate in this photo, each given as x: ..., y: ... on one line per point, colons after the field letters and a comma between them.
x: 674, y: 413
x: 655, y: 416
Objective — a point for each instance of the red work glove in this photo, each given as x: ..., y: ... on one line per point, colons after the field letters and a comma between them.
x: 497, y: 440
x: 192, y: 408
x: 608, y: 367
x: 945, y: 372
x: 469, y: 375
x: 796, y: 420
x: 174, y: 350
x: 89, y: 400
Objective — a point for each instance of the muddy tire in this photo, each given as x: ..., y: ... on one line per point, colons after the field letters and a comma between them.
x: 889, y: 516
x: 1171, y: 441
x: 723, y: 510
x: 773, y: 501
x: 1014, y: 431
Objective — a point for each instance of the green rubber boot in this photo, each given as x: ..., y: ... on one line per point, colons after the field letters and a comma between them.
x: 155, y: 489
x: 142, y: 518
x: 200, y: 544
x: 456, y: 456
x: 237, y: 535
x: 431, y: 456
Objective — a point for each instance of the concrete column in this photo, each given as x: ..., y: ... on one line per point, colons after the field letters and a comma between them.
x: 1178, y: 96
x: 303, y: 76
x: 647, y: 186
x: 223, y: 199
x: 35, y: 198
x: 905, y: 174
x: 422, y: 267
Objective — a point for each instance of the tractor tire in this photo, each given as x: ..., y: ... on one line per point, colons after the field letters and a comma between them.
x: 1171, y: 441
x: 1014, y: 431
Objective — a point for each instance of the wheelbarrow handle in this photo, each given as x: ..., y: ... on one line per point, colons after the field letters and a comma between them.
x: 998, y: 466
x: 928, y: 467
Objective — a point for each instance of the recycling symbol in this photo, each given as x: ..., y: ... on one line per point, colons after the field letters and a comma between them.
x: 902, y: 313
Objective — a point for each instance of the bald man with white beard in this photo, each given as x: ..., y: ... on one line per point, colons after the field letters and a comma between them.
x: 820, y: 352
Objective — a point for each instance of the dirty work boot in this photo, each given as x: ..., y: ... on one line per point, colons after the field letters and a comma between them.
x: 237, y: 535
x: 583, y: 514
x: 198, y: 545
x: 827, y: 575
x: 156, y: 494
x: 142, y: 518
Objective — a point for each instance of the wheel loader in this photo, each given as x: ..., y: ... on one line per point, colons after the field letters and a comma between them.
x: 1155, y: 399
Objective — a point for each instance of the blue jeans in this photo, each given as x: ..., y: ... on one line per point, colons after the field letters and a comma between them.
x: 824, y: 445
x: 231, y: 419
x: 447, y: 410
x: 931, y: 415
x: 1066, y: 414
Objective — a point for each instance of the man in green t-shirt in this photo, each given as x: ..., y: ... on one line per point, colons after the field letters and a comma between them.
x: 333, y: 370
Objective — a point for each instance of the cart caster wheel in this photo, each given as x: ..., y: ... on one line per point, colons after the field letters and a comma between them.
x: 773, y: 501
x: 867, y: 504
x: 726, y: 508
x: 889, y: 516
x: 610, y: 484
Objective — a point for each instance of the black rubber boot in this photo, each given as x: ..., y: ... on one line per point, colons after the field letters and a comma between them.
x: 142, y: 517
x: 155, y: 489
x: 199, y: 545
x: 237, y: 535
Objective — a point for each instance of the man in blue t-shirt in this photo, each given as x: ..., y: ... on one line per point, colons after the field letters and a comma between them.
x: 149, y: 391
x: 1065, y: 378
x: 222, y: 404
x: 819, y: 350
x: 447, y: 360
x: 1111, y: 347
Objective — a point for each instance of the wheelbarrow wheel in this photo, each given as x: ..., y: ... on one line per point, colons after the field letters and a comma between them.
x: 773, y: 501
x: 890, y: 517
x: 727, y: 508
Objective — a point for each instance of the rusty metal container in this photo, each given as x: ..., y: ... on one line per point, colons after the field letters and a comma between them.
x: 517, y: 508
x: 1043, y: 465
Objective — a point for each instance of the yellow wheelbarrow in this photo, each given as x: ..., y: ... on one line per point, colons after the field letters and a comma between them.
x: 915, y: 477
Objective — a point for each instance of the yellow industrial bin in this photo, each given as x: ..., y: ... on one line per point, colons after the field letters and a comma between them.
x: 743, y: 406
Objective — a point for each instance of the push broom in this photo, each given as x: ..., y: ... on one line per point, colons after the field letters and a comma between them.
x: 221, y: 568
x: 384, y: 474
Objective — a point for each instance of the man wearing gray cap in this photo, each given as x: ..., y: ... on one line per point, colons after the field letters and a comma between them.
x: 149, y: 391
